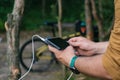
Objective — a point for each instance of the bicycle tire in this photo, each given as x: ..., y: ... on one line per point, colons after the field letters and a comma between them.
x: 40, y: 65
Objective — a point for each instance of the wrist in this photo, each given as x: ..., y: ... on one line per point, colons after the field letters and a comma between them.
x: 97, y: 48
x: 101, y: 47
x: 72, y: 62
x: 72, y: 65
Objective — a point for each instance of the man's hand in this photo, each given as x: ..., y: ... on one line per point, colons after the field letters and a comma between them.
x: 91, y: 65
x: 63, y: 56
x: 83, y: 46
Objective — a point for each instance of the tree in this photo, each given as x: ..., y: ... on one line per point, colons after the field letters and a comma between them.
x: 97, y: 16
x: 12, y: 29
x: 88, y: 17
x: 60, y: 17
x: 98, y: 19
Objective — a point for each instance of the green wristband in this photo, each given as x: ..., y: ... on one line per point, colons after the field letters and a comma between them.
x: 72, y: 63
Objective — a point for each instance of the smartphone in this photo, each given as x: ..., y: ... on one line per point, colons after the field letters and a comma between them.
x: 57, y: 42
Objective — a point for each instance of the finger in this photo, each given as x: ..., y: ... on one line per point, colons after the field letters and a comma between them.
x: 80, y: 38
x: 73, y: 39
x: 77, y: 53
x: 52, y: 49
x: 75, y: 44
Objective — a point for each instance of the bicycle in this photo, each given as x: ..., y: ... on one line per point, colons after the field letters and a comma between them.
x: 43, y: 57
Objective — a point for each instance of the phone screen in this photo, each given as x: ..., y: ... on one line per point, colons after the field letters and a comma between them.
x: 58, y: 43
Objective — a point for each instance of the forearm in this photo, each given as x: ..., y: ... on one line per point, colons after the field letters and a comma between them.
x: 91, y: 66
x: 101, y: 47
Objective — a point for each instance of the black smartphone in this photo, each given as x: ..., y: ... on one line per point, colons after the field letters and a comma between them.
x: 57, y: 42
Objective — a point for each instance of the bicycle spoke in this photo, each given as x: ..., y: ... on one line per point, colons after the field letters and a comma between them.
x: 42, y: 60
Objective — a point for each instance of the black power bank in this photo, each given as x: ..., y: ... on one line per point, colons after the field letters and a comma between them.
x: 57, y: 42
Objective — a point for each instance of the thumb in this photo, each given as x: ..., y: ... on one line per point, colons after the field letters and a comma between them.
x: 75, y: 44
x: 52, y: 49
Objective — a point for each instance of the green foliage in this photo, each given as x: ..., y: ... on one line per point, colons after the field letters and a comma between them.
x: 53, y: 11
x: 34, y: 16
x: 5, y: 8
x: 108, y: 13
x: 31, y: 20
x: 73, y: 10
x: 1, y: 25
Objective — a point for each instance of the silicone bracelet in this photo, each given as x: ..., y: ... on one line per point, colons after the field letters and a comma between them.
x: 72, y: 63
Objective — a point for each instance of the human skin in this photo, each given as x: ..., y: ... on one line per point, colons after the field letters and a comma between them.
x: 90, y: 65
x: 86, y: 47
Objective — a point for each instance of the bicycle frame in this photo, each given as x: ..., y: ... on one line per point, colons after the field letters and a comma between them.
x: 43, y: 57
x: 43, y: 48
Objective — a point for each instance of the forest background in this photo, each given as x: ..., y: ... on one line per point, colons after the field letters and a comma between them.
x: 37, y: 12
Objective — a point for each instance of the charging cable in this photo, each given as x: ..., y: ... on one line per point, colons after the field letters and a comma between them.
x: 70, y: 76
x: 33, y: 54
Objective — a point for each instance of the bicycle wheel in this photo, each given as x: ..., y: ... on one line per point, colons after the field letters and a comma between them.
x: 42, y: 61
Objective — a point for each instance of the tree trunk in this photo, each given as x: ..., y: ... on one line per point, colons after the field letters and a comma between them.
x: 98, y: 19
x: 60, y: 18
x: 107, y: 33
x: 89, y: 34
x: 60, y: 31
x: 12, y: 31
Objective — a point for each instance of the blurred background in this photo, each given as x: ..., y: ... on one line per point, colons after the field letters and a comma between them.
x: 92, y: 18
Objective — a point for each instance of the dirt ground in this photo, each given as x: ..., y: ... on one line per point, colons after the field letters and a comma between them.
x: 54, y: 73
x: 51, y: 74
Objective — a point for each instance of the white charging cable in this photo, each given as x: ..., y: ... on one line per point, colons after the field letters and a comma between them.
x: 70, y: 76
x: 33, y: 54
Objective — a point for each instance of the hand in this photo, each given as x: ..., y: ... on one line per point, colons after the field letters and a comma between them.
x: 63, y: 56
x: 83, y: 46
